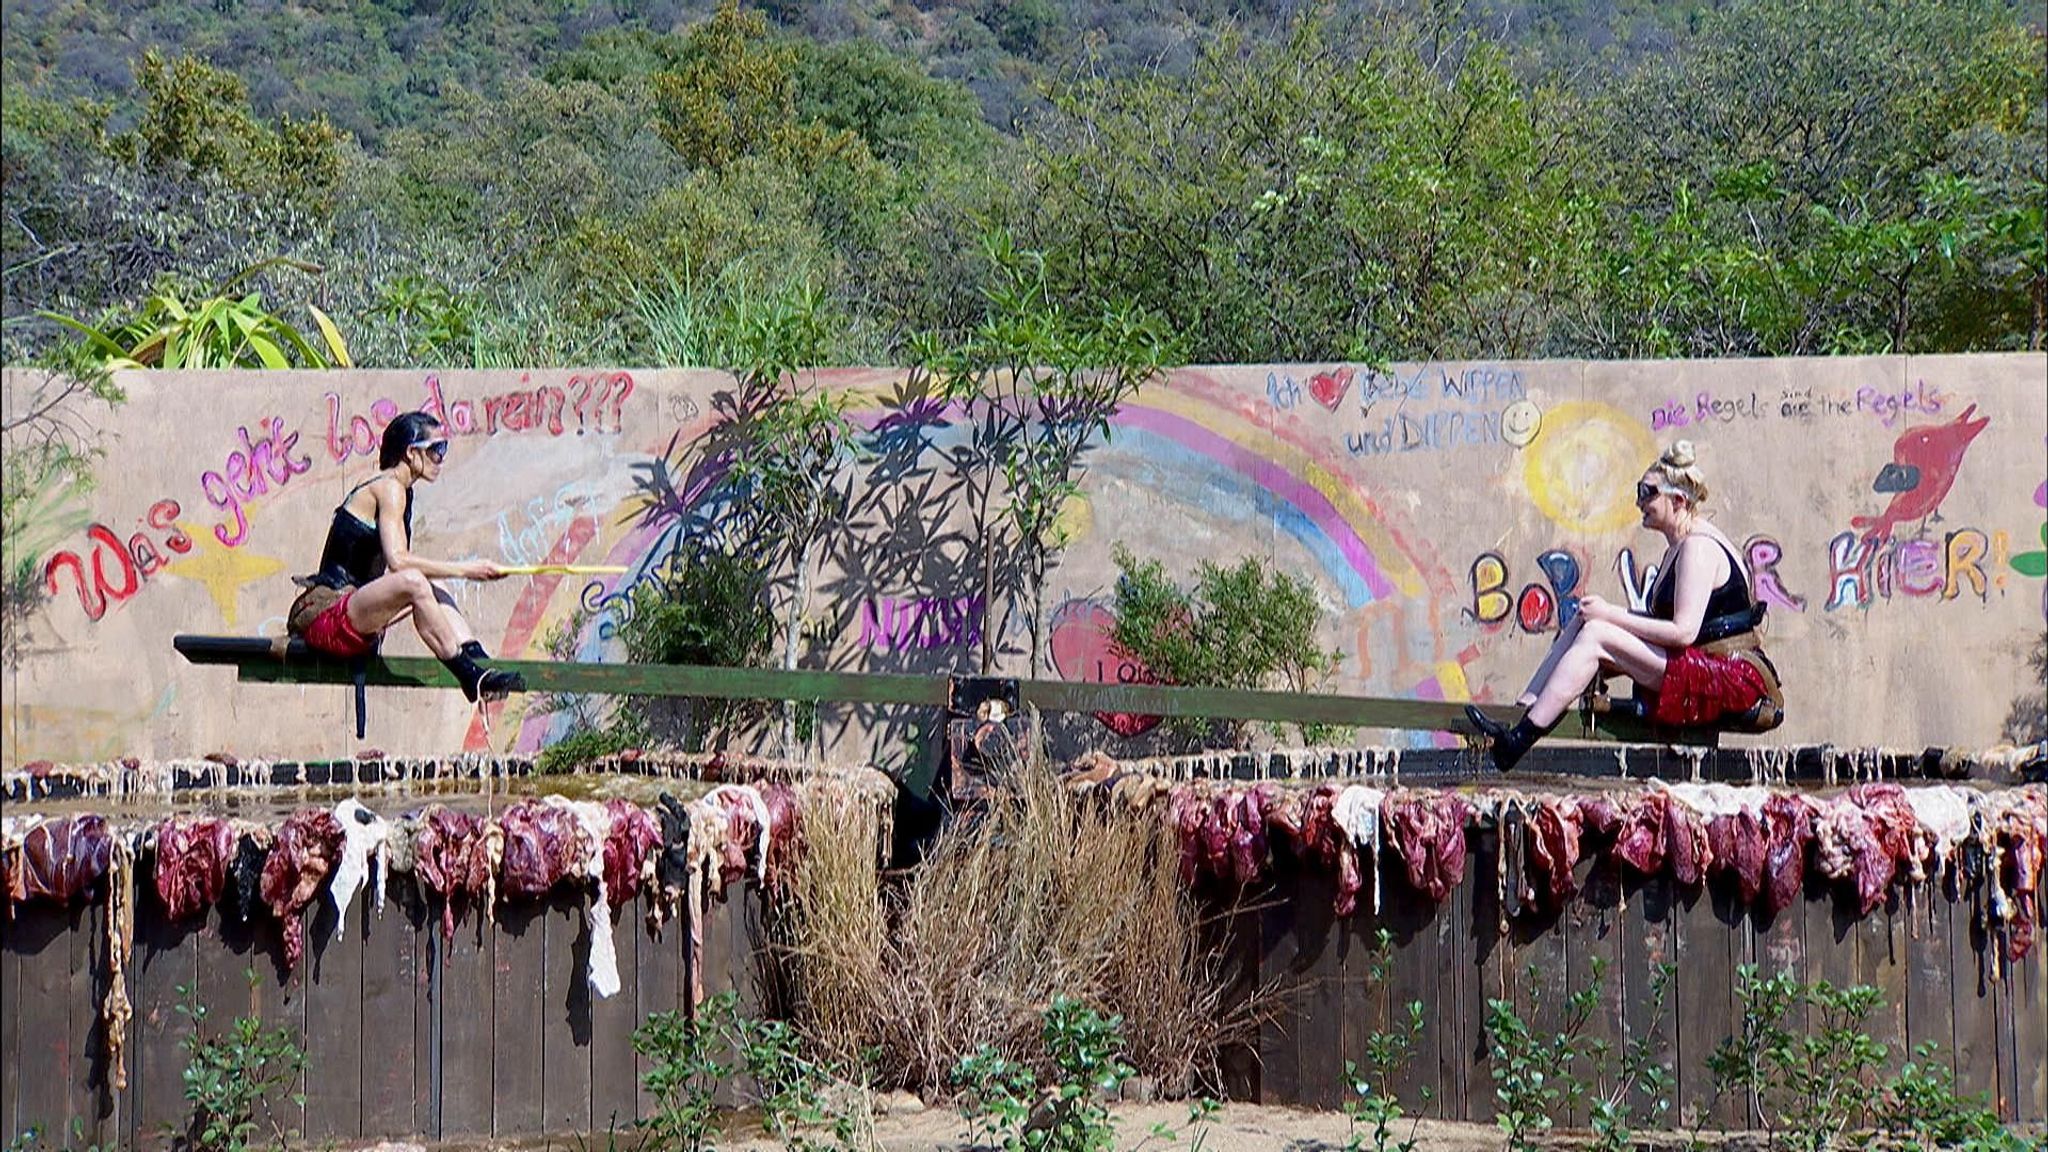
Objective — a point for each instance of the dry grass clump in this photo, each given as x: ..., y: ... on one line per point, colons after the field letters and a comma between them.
x: 1045, y: 895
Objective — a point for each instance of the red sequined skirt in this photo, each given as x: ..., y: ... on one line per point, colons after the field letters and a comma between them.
x: 1700, y: 688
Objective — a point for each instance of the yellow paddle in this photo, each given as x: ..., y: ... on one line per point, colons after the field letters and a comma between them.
x: 562, y: 569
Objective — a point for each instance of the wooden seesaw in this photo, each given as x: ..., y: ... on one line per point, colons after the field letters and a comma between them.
x: 259, y: 660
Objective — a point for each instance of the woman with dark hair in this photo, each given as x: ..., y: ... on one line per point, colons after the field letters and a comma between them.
x: 370, y: 578
x: 1700, y: 581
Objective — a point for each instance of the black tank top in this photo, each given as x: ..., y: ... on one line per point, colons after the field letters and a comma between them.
x: 354, y: 554
x: 1731, y: 597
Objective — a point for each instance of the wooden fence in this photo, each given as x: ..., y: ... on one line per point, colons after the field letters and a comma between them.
x: 497, y: 1032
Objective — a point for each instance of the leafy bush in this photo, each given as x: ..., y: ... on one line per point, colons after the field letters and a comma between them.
x: 1247, y: 627
x: 1806, y: 1089
x: 712, y: 609
x: 1370, y: 1107
x: 582, y: 746
x: 231, y: 1075
x: 1540, y: 1078
x: 1006, y: 1105
x: 687, y: 1063
x: 794, y: 1092
x: 1815, y: 1090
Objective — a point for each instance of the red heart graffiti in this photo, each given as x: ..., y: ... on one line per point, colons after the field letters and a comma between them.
x: 1329, y: 387
x: 1082, y: 649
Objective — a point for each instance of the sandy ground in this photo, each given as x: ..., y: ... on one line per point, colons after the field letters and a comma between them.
x: 909, y: 1127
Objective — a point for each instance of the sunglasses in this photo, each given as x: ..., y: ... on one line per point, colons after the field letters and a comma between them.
x: 1646, y: 492
x: 437, y: 450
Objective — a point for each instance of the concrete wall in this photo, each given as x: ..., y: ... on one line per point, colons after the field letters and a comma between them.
x: 1442, y: 512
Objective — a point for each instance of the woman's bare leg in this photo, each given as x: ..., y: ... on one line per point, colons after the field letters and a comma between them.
x: 1544, y: 670
x: 1598, y: 641
x: 390, y: 597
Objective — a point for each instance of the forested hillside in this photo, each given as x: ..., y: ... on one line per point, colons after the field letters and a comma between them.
x: 543, y: 182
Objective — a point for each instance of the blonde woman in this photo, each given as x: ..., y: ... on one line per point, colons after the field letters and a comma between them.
x: 1700, y: 579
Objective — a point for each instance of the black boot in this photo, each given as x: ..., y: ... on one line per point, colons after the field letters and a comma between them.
x: 478, y: 681
x: 1507, y: 745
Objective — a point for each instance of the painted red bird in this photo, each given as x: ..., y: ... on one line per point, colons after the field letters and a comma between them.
x: 1923, y: 468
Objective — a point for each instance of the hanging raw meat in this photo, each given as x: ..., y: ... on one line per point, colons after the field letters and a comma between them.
x: 192, y: 858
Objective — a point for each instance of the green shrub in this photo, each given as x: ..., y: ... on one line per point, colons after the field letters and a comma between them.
x: 712, y: 609
x: 230, y: 1076
x: 1819, y: 1089
x: 1245, y: 627
x: 1007, y: 1106
x: 583, y: 746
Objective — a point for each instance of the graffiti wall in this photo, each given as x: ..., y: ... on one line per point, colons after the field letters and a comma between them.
x: 1890, y: 510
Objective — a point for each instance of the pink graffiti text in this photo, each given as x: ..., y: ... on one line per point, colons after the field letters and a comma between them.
x: 928, y: 622
x: 589, y: 402
x: 251, y: 471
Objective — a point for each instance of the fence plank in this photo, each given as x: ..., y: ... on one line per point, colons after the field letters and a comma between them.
x: 333, y: 998
x: 613, y: 1071
x: 1592, y: 922
x: 1930, y: 999
x: 166, y: 958
x: 37, y: 936
x: 1238, y: 934
x: 1319, y: 1029
x: 2029, y: 1017
x: 1497, y: 970
x: 1411, y: 917
x: 468, y: 1025
x: 1881, y: 964
x: 516, y: 1067
x: 565, y: 1019
x: 1647, y: 941
x: 1462, y: 995
x: 12, y: 1057
x: 1364, y: 998
x: 1279, y: 1043
x: 392, y: 992
x: 659, y: 986
x: 1709, y: 925
x: 1976, y: 1002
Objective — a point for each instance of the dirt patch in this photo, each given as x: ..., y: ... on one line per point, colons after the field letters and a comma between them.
x: 910, y: 1127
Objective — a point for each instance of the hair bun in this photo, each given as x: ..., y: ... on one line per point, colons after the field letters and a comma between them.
x: 1680, y: 454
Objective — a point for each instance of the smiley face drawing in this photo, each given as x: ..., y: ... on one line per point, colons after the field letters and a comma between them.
x: 1520, y: 423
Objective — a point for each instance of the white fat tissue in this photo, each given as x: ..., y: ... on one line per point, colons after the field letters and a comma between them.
x: 596, y: 823
x: 1944, y: 812
x: 362, y: 832
x: 1712, y: 800
x: 1357, y: 812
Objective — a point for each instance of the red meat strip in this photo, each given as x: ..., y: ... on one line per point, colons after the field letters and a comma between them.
x: 1788, y: 832
x: 543, y: 843
x: 1686, y: 845
x: 62, y: 857
x: 1738, y: 844
x: 2020, y: 829
x: 785, y: 829
x: 1599, y: 815
x: 192, y: 858
x: 1640, y: 839
x: 1244, y: 818
x: 449, y: 860
x: 633, y: 836
x: 1428, y: 830
x: 306, y: 849
x: 1555, y: 829
x: 1310, y: 826
x: 1865, y: 836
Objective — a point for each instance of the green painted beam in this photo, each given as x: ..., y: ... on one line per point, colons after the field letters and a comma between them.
x: 256, y: 661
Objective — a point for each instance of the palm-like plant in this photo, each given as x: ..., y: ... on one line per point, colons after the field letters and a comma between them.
x: 222, y: 330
